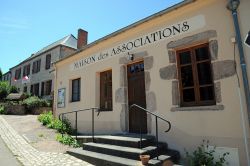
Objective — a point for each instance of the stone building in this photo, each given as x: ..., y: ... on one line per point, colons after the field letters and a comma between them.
x: 180, y: 63
x: 6, y: 77
x: 35, y: 74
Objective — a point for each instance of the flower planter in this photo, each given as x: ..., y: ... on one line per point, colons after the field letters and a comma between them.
x: 144, y: 159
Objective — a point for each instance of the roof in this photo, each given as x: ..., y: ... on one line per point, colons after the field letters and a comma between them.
x: 160, y: 13
x: 69, y: 41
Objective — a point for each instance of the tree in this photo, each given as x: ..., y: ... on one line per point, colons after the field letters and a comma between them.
x: 1, y: 74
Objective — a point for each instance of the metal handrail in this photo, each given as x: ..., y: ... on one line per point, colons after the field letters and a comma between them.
x: 76, y: 119
x: 156, y: 125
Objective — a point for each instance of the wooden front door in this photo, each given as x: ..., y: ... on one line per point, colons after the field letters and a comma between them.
x: 136, y: 95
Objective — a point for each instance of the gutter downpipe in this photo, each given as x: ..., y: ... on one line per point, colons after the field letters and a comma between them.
x: 232, y: 6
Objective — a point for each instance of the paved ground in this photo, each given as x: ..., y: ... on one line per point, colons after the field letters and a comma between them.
x: 37, y: 135
x: 25, y: 152
x: 6, y: 157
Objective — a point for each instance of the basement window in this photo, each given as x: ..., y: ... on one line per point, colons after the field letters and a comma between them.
x: 195, y: 76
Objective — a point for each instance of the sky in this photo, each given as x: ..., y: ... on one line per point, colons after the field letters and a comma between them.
x: 26, y: 26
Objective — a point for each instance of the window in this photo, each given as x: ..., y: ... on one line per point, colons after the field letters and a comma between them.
x: 18, y: 74
x: 76, y: 88
x: 106, y: 91
x: 46, y: 88
x: 26, y: 70
x: 48, y: 61
x: 34, y: 89
x: 36, y: 66
x: 195, y: 76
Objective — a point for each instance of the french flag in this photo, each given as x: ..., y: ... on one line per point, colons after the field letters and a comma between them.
x: 25, y: 78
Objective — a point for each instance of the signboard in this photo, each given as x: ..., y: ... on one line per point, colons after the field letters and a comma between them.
x: 165, y: 33
x: 247, y: 39
x: 61, y: 98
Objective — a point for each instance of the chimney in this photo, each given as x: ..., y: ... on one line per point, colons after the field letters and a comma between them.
x: 82, y: 38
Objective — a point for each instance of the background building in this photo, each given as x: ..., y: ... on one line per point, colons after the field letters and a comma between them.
x: 35, y: 74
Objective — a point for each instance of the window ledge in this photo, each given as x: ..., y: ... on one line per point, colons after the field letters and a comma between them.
x: 199, y: 108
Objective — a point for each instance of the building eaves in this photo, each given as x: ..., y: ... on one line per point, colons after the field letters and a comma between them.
x: 165, y: 11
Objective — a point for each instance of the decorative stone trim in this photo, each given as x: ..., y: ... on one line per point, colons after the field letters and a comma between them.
x: 148, y: 62
x: 151, y: 101
x: 199, y: 108
x: 213, y: 48
x: 121, y: 95
x: 217, y: 89
x: 172, y: 56
x: 192, y: 39
x: 123, y: 77
x: 168, y: 72
x: 124, y: 119
x: 223, y: 69
x: 175, y: 93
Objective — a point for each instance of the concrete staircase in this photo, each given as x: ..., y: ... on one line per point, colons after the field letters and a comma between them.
x: 122, y: 150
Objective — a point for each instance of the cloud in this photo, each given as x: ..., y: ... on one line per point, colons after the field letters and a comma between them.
x: 13, y: 23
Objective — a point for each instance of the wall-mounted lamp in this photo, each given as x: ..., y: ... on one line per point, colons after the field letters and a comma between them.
x: 130, y: 56
x: 233, y: 4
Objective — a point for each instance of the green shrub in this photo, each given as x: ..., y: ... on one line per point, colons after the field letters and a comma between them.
x: 203, y: 156
x: 4, y: 89
x: 46, y: 118
x: 67, y: 140
x: 13, y: 89
x: 35, y: 101
x: 2, y: 109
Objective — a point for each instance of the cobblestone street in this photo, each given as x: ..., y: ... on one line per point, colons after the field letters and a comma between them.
x: 28, y: 155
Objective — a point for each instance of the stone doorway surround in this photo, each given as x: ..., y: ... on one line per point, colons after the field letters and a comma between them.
x: 121, y: 94
x: 221, y: 69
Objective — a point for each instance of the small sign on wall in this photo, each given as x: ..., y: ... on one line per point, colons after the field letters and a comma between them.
x: 61, y: 98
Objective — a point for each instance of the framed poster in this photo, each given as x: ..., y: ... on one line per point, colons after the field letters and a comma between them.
x: 61, y: 98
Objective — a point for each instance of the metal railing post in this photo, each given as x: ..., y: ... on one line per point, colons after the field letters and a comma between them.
x: 157, y: 144
x: 62, y: 124
x: 76, y: 126
x: 93, y: 125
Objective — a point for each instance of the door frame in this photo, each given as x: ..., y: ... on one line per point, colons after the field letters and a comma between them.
x: 127, y: 80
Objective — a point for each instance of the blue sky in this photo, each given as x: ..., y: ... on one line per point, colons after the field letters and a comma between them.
x: 27, y: 26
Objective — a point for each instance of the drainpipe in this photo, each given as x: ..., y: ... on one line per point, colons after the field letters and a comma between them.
x: 233, y: 6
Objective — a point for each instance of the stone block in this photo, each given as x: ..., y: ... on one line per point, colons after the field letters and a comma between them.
x: 123, y: 76
x: 172, y: 56
x: 124, y: 118
x: 121, y: 95
x: 151, y: 101
x: 168, y: 72
x: 217, y: 89
x: 213, y: 47
x: 192, y: 39
x: 148, y: 62
x: 223, y: 69
x: 147, y: 80
x: 175, y: 93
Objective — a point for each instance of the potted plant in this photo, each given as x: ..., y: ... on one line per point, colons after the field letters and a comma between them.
x: 144, y: 159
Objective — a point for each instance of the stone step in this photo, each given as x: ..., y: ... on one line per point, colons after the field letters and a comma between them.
x: 121, y: 151
x: 100, y: 159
